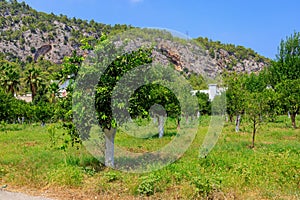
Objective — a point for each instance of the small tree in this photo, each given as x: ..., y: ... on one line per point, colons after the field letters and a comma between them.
x: 257, y: 96
x: 111, y: 62
x: 204, y: 103
x: 289, y: 96
x: 104, y: 91
x: 285, y: 74
x: 34, y: 80
x: 160, y: 99
x: 255, y: 109
x: 63, y: 107
x: 235, y: 97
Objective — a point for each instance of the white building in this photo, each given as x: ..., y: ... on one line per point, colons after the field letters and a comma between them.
x: 26, y: 97
x: 213, y: 90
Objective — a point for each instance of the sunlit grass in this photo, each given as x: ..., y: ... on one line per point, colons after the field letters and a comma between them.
x: 271, y: 170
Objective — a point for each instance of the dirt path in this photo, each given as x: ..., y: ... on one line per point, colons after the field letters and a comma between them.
x: 4, y: 195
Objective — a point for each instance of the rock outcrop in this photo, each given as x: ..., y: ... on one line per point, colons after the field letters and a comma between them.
x: 28, y: 35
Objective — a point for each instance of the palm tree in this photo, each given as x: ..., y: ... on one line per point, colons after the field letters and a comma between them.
x: 53, y: 89
x: 33, y: 80
x: 10, y: 77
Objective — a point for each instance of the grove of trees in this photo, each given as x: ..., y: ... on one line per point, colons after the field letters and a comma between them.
x: 256, y: 97
x: 274, y: 91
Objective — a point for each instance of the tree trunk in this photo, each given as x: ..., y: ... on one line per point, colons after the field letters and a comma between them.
x: 187, y: 119
x: 178, y: 124
x: 33, y: 92
x: 161, y: 126
x: 109, y: 146
x: 231, y: 118
x: 293, y: 118
x: 237, y: 124
x: 253, y: 133
x: 154, y: 120
x: 11, y: 89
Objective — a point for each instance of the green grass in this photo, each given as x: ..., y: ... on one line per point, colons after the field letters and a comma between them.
x: 28, y: 158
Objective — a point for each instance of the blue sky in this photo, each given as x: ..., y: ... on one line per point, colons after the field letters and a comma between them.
x: 256, y: 24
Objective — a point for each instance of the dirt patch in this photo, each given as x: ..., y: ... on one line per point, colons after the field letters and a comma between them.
x: 267, y: 142
x: 70, y: 194
x: 289, y: 137
x: 30, y: 144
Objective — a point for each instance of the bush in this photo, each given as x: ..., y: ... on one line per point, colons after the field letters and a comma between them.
x: 205, y: 186
x: 147, y: 186
x: 111, y: 176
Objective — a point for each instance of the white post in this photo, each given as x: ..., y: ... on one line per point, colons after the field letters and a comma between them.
x: 161, y: 123
x: 109, y: 146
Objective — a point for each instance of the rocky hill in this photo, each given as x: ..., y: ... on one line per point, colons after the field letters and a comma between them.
x: 215, y: 59
x: 27, y: 35
x: 233, y: 58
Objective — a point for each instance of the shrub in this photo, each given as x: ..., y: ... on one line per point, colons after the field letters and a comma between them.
x: 147, y: 186
x: 205, y: 186
x: 111, y: 176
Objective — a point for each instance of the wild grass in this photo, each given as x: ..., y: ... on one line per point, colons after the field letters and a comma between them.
x: 29, y: 158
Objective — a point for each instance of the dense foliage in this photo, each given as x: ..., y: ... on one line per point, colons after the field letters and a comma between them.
x: 237, y: 53
x: 256, y: 97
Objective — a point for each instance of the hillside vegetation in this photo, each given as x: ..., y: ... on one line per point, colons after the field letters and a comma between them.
x: 24, y: 31
x: 234, y: 57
